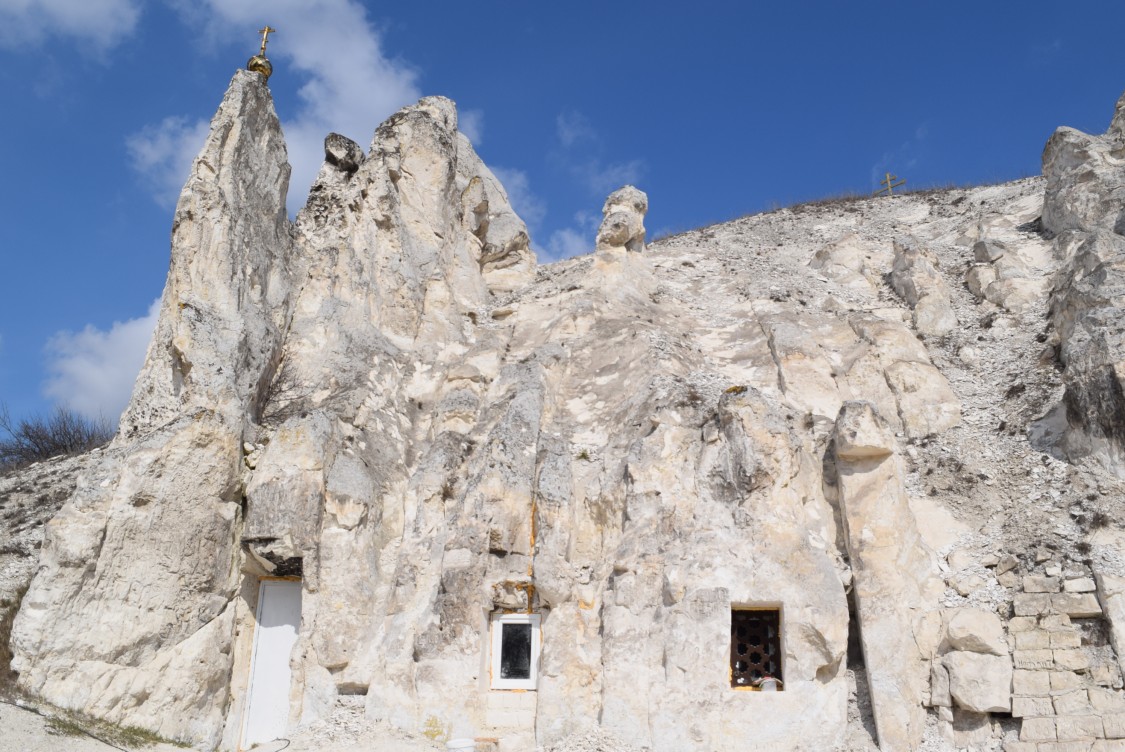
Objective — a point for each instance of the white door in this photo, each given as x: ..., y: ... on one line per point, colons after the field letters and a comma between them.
x: 267, y: 707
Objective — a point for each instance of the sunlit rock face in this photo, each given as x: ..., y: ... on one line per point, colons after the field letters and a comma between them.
x: 139, y: 571
x: 1085, y: 208
x: 821, y: 414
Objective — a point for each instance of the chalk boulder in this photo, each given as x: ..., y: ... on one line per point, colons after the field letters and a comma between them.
x: 623, y: 220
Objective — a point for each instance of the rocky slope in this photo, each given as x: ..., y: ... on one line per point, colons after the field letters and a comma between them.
x: 897, y: 421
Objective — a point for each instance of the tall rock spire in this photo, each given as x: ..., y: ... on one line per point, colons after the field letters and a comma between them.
x: 137, y: 592
x: 227, y: 290
x: 139, y: 569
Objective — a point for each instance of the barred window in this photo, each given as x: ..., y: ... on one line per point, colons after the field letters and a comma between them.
x: 755, y: 649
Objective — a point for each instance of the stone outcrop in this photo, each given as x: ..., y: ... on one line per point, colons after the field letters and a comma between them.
x: 979, y: 683
x: 1083, y: 207
x: 970, y: 669
x: 242, y: 344
x: 1084, y: 190
x: 164, y: 502
x: 847, y: 262
x: 632, y: 453
x: 915, y: 277
x: 1111, y: 597
x: 623, y: 220
x: 505, y: 256
x: 1001, y: 277
x: 892, y: 570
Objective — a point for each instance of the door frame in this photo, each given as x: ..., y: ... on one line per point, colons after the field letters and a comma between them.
x: 254, y: 651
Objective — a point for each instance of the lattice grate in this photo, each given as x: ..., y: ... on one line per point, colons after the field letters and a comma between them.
x: 755, y: 647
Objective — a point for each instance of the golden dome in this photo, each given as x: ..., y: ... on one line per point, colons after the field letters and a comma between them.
x: 260, y: 64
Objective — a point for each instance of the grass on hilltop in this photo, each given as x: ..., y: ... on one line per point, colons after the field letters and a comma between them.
x: 840, y: 199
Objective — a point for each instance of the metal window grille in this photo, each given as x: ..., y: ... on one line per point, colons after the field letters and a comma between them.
x: 755, y: 647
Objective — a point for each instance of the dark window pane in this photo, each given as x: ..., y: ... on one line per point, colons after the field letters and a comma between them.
x: 515, y: 651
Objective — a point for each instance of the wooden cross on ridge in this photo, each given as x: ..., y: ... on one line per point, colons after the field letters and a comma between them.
x: 266, y: 37
x: 889, y: 184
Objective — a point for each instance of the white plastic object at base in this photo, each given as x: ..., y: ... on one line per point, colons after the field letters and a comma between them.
x: 465, y: 745
x: 768, y: 685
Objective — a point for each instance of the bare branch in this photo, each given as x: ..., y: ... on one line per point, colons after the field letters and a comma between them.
x: 37, y: 438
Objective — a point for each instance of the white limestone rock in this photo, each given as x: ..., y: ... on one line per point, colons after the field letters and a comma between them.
x: 893, y: 579
x: 926, y: 404
x: 131, y: 614
x: 390, y: 400
x: 860, y: 435
x: 974, y: 630
x: 804, y: 370
x: 989, y: 251
x: 939, y: 686
x: 623, y: 218
x: 915, y: 277
x: 506, y: 260
x: 1083, y: 310
x: 979, y: 682
x: 979, y: 278
x: 848, y: 261
x: 1085, y: 190
x: 1111, y: 596
x: 1082, y: 206
x: 343, y: 153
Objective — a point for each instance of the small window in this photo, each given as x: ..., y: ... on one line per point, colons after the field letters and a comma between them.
x: 755, y: 649
x: 515, y: 651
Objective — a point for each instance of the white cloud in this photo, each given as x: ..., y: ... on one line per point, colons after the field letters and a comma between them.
x: 581, y: 158
x: 349, y: 87
x: 564, y: 243
x: 99, y: 24
x: 601, y: 179
x: 529, y: 206
x: 907, y: 155
x: 568, y: 242
x: 163, y: 154
x: 93, y: 371
x: 573, y: 127
x: 576, y: 240
x: 471, y: 123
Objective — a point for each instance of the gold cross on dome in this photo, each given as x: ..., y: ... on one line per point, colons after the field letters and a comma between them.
x: 266, y: 37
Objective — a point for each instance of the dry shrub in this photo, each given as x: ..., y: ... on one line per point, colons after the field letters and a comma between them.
x: 38, y: 438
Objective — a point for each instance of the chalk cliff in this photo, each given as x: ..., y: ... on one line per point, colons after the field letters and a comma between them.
x: 894, y: 425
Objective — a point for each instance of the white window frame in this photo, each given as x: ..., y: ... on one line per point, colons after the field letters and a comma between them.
x: 498, y: 620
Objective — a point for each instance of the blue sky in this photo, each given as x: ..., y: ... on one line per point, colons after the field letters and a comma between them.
x: 716, y: 109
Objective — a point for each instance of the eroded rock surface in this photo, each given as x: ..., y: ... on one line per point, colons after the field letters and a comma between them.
x: 1083, y: 207
x: 623, y: 217
x: 817, y: 411
x: 915, y: 277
